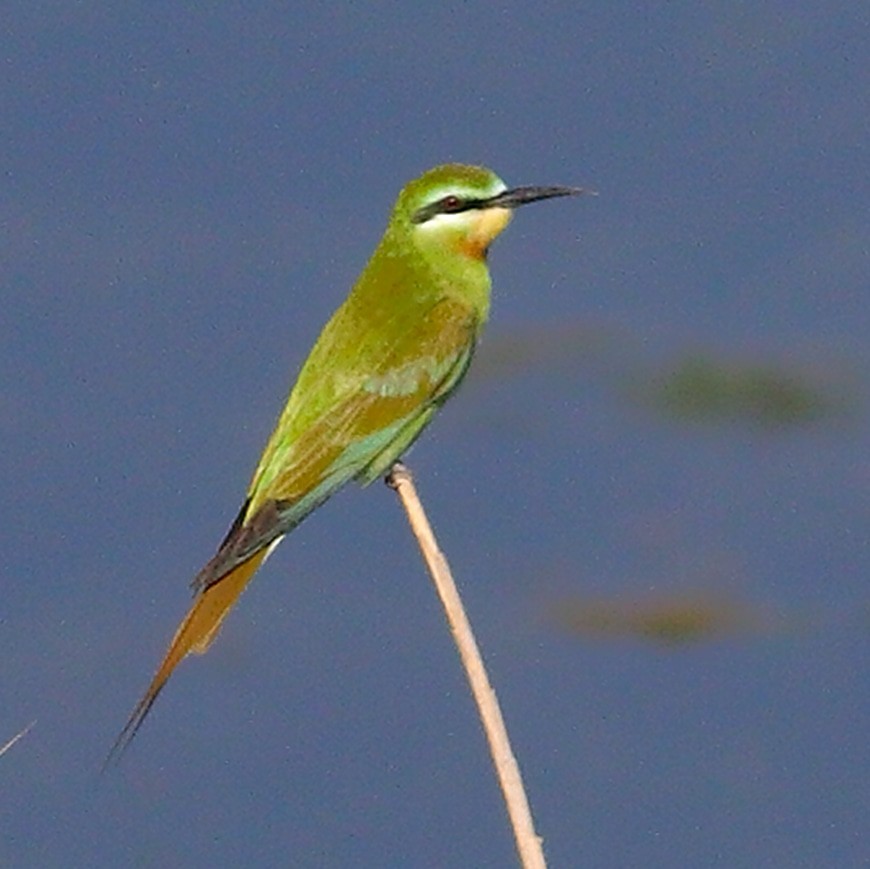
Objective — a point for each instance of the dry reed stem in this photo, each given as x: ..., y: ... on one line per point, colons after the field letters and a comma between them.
x: 19, y: 735
x: 528, y: 843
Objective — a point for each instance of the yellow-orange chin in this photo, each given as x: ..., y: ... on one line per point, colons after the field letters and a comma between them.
x: 488, y: 224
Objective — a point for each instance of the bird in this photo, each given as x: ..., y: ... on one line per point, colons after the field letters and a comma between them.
x: 389, y: 357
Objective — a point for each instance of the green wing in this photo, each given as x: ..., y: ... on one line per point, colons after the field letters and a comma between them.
x: 373, y: 416
x: 369, y: 422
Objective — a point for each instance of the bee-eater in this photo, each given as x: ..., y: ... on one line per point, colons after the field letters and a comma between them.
x: 389, y: 357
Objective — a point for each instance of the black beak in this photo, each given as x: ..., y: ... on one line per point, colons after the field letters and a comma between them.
x: 524, y: 195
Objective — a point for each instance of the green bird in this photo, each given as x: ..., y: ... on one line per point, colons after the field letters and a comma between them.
x: 390, y: 356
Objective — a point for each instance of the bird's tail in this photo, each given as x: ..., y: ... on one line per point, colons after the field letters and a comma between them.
x: 195, y: 634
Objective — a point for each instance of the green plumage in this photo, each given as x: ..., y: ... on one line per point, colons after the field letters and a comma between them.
x: 389, y: 357
x: 393, y: 352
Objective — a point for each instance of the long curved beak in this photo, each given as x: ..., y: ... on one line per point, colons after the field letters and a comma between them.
x: 524, y: 195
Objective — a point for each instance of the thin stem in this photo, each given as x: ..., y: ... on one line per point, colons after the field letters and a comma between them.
x: 528, y: 842
x: 11, y: 742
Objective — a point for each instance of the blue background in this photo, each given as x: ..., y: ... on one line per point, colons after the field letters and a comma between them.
x: 188, y: 192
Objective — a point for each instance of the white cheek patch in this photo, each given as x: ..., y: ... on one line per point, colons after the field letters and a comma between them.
x: 469, y: 232
x: 463, y: 221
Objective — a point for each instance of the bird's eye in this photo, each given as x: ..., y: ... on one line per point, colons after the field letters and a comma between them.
x: 451, y: 204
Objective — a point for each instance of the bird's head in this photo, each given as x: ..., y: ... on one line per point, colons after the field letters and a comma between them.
x: 463, y: 208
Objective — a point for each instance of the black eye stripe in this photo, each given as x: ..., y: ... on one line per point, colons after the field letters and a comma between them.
x: 450, y: 204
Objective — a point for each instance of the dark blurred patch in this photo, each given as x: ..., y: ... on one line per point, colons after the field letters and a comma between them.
x: 694, y: 386
x: 701, y: 389
x: 555, y: 347
x: 667, y: 620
